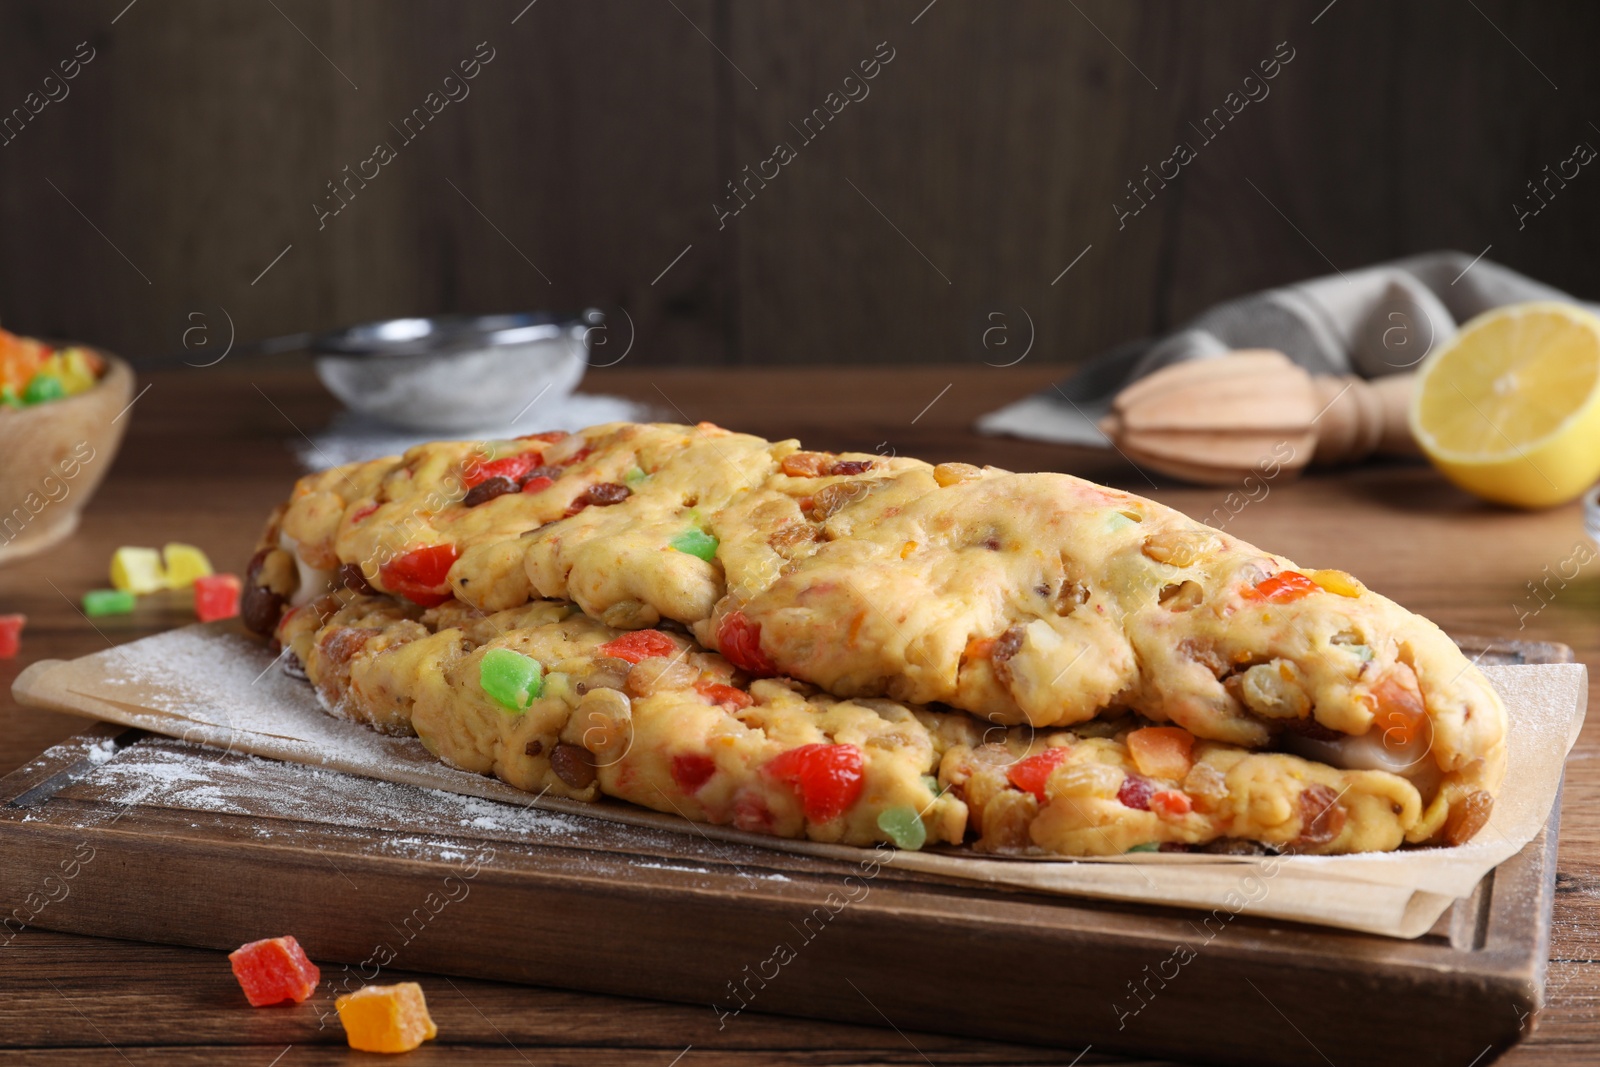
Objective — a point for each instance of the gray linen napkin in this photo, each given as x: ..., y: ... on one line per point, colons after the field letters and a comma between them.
x: 1371, y: 322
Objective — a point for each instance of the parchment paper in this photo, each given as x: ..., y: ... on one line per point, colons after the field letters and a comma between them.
x: 215, y: 685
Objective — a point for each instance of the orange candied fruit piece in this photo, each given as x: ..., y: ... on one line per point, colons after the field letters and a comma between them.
x: 1282, y: 588
x: 1170, y: 804
x: 1162, y: 751
x: 386, y: 1018
x: 273, y: 971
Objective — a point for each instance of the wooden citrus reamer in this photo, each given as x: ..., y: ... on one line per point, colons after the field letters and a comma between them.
x: 1214, y: 421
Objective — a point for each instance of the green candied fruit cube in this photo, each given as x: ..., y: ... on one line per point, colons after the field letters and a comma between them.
x: 1148, y: 846
x: 42, y: 387
x: 9, y: 397
x: 509, y: 678
x: 932, y: 783
x: 635, y: 477
x: 696, y: 542
x: 904, y: 827
x: 99, y: 602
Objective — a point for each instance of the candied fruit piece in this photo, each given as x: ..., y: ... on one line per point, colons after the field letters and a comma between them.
x: 639, y: 645
x: 137, y: 570
x: 78, y: 374
x: 827, y: 777
x: 728, y: 696
x: 1170, y: 804
x: 11, y: 634
x: 510, y: 679
x: 185, y: 563
x: 904, y: 827
x: 386, y: 1018
x: 692, y: 770
x: 739, y: 641
x: 696, y: 542
x: 99, y: 602
x: 1031, y: 774
x: 216, y: 596
x: 1282, y: 588
x: 273, y: 971
x: 418, y: 574
x: 1162, y: 751
x: 42, y: 387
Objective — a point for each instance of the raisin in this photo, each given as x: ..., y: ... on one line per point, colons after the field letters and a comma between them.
x: 260, y: 607
x: 1322, y: 817
x: 1073, y: 595
x: 487, y: 490
x: 851, y: 466
x: 341, y: 645
x: 252, y: 569
x: 551, y: 473
x: 804, y: 464
x: 533, y: 748
x: 1237, y: 846
x: 293, y: 667
x: 1005, y: 646
x: 791, y: 537
x: 604, y: 494
x: 1468, y: 817
x: 831, y: 498
x: 573, y: 765
x: 353, y: 579
x: 1136, y: 792
x: 1181, y: 596
x: 1311, y: 728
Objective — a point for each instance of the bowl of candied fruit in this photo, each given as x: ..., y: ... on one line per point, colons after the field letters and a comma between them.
x: 63, y: 410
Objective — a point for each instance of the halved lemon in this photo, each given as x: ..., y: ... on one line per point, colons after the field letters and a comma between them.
x: 1509, y: 409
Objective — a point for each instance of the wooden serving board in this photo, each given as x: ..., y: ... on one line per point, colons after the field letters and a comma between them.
x: 124, y: 834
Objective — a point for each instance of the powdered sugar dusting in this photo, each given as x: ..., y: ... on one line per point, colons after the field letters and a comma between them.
x: 229, y: 694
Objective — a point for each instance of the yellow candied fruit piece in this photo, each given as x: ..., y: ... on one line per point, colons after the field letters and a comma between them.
x: 137, y: 570
x: 907, y: 548
x: 76, y: 372
x: 185, y: 563
x: 386, y: 1018
x: 1337, y: 582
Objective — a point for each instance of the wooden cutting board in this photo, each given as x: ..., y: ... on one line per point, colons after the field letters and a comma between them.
x: 120, y: 833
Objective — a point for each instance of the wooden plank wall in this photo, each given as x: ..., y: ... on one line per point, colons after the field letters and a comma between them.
x: 924, y: 222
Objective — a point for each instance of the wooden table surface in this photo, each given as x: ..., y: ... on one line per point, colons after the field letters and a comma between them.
x: 208, y: 453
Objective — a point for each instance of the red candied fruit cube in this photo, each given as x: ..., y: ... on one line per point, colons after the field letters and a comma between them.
x: 739, y: 641
x: 11, y: 634
x: 216, y: 596
x: 273, y: 971
x: 828, y: 777
x: 639, y: 645
x: 692, y: 770
x: 730, y: 697
x: 1032, y: 773
x: 419, y: 574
